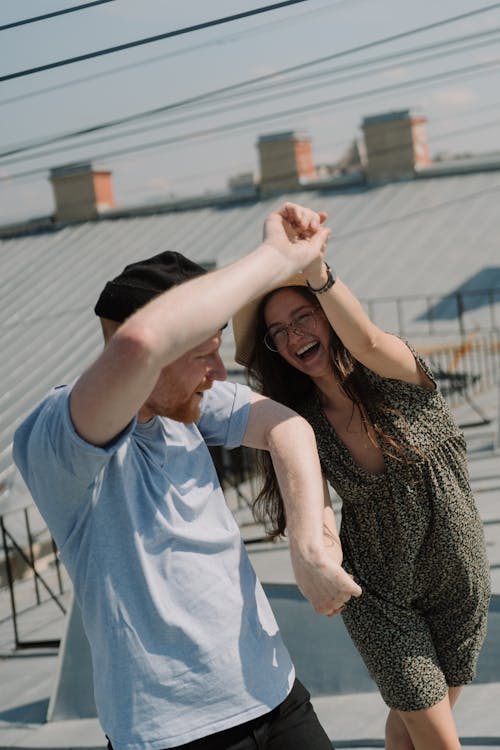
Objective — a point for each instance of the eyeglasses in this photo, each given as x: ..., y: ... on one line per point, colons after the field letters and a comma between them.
x: 277, y: 338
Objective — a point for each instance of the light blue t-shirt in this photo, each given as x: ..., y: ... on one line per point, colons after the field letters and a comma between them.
x: 183, y: 639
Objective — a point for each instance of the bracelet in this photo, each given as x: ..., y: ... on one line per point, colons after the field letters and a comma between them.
x: 332, y: 278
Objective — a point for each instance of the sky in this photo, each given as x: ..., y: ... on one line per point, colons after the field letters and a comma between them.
x: 450, y: 74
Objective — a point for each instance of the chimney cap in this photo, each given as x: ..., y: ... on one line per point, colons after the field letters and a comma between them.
x: 286, y: 135
x: 82, y: 167
x: 402, y: 114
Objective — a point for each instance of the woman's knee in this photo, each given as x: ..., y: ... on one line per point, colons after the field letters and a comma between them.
x: 432, y: 727
x: 396, y: 734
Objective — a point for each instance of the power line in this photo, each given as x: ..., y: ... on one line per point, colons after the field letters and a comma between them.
x: 297, y: 90
x: 62, y: 12
x: 268, y: 26
x: 370, y: 45
x: 300, y: 66
x: 251, y: 122
x: 213, y: 94
x: 480, y: 36
x: 29, y: 175
x: 149, y: 40
x: 228, y: 92
x: 378, y: 225
x: 148, y: 128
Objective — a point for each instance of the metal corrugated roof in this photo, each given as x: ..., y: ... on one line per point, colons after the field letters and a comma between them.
x: 419, y: 237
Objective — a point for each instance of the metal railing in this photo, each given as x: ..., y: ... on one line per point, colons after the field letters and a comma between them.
x: 29, y: 552
x: 437, y: 315
x: 458, y: 334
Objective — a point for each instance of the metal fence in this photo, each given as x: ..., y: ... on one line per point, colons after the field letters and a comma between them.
x: 29, y: 564
x: 437, y: 316
x: 458, y: 334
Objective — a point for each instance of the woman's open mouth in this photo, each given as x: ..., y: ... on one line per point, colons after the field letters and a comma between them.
x: 308, y: 350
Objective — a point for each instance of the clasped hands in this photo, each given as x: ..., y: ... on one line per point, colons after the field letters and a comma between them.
x: 323, y: 581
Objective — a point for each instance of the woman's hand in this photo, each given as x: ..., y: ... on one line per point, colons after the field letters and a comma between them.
x: 297, y: 233
x: 316, y: 273
x: 321, y: 579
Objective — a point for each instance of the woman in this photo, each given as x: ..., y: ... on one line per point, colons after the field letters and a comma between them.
x: 411, y: 535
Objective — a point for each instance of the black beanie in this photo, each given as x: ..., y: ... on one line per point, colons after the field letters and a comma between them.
x: 139, y: 282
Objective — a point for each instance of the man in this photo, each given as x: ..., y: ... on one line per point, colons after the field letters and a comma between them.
x: 185, y: 649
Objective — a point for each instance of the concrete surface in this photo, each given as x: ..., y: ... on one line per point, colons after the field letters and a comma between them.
x: 35, y: 683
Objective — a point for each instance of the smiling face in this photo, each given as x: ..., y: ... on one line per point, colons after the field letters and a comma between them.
x: 307, y: 349
x: 178, y: 392
x: 179, y: 389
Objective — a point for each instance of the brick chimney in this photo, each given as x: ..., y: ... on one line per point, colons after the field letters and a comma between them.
x: 396, y: 145
x: 286, y: 162
x: 81, y: 193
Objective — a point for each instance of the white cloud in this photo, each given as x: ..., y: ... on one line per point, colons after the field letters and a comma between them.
x: 454, y: 96
x: 397, y: 73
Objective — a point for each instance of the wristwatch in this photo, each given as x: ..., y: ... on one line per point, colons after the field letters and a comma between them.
x: 330, y: 281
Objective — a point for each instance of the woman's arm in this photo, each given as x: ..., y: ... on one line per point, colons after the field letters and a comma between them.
x: 330, y: 534
x: 112, y: 390
x: 381, y: 352
x: 310, y: 525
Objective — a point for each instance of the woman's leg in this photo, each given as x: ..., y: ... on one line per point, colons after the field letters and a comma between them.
x: 396, y: 733
x: 453, y: 693
x: 433, y: 727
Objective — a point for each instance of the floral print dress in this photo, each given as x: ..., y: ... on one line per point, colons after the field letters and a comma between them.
x: 413, y: 540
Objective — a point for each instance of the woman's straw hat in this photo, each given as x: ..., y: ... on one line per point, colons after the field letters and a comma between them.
x: 245, y: 321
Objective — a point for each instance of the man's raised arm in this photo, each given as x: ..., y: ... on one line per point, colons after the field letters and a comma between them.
x: 112, y: 390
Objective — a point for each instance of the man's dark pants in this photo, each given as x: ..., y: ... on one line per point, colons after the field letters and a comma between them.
x: 293, y: 725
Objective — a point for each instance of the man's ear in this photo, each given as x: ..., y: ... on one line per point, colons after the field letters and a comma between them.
x: 108, y: 328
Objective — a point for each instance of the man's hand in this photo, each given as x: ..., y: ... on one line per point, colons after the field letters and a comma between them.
x: 297, y: 233
x: 323, y: 581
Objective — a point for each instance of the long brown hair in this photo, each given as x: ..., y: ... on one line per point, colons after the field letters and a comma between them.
x: 273, y: 376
